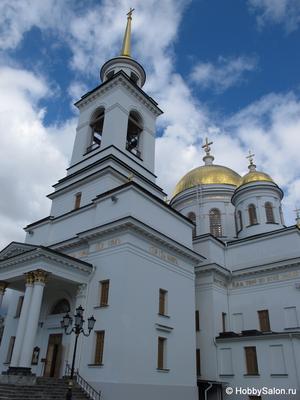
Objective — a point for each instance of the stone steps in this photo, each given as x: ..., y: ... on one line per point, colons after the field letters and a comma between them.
x: 44, y: 389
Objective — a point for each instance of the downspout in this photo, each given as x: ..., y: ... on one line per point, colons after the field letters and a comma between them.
x: 294, y: 359
x: 210, y: 385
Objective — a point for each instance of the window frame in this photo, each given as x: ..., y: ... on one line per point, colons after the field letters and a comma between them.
x: 77, y: 200
x: 251, y: 361
x: 99, y: 347
x: 163, y: 303
x: 215, y: 222
x: 269, y: 210
x: 104, y: 292
x: 264, y: 320
x: 252, y: 214
x: 162, y: 353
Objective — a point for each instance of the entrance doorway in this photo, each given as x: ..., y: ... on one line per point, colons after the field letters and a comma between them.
x: 53, y: 358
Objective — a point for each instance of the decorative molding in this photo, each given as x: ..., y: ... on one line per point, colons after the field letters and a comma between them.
x: 81, y: 290
x: 109, y: 85
x: 163, y: 328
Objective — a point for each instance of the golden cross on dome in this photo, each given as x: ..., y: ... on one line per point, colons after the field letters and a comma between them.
x: 206, y: 146
x: 250, y: 157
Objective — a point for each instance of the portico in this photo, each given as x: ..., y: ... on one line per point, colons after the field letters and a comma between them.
x: 43, y: 277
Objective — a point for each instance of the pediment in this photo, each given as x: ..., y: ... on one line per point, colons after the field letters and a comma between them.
x: 14, y: 249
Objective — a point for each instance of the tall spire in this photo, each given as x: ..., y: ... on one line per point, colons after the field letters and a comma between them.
x: 208, y: 158
x: 126, y: 48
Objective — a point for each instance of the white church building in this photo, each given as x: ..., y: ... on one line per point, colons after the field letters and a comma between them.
x: 190, y: 297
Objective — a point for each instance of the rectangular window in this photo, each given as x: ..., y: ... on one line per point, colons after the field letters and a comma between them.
x: 104, y: 290
x: 99, y: 347
x: 19, y: 306
x: 225, y: 365
x: 251, y: 360
x: 161, y: 353
x: 10, y: 349
x: 277, y: 360
x: 198, y: 362
x: 291, y: 317
x: 77, y: 201
x: 162, y: 302
x: 224, y: 321
x: 238, y: 322
x: 197, y: 320
x: 264, y: 321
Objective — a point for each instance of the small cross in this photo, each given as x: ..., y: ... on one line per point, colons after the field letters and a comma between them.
x: 206, y: 146
x: 250, y: 157
x: 130, y: 12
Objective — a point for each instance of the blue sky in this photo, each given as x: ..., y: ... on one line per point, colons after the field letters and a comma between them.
x: 224, y: 69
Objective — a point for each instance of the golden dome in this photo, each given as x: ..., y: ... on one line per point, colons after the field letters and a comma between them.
x: 207, y: 175
x: 255, y: 176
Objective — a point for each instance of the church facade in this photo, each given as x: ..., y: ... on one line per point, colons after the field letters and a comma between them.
x: 190, y: 296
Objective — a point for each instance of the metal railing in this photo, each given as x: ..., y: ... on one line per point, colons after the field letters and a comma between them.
x: 85, y: 386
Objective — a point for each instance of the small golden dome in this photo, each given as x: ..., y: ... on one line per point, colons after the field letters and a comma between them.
x: 207, y: 175
x: 255, y: 176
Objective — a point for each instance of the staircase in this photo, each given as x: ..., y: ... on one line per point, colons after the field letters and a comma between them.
x: 45, y: 389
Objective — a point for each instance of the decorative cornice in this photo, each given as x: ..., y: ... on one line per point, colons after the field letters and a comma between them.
x: 131, y: 223
x: 119, y: 79
x: 43, y: 253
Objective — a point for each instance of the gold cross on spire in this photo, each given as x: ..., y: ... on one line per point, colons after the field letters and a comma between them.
x: 126, y: 48
x: 206, y: 146
x: 130, y: 12
x: 250, y: 157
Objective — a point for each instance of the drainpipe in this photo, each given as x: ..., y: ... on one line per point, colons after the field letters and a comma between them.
x: 206, y: 390
x: 294, y: 358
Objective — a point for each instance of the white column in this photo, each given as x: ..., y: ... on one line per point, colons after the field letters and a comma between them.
x: 23, y: 320
x: 33, y: 318
x: 3, y: 286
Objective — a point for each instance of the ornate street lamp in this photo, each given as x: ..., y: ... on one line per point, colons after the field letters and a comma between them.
x: 77, y: 328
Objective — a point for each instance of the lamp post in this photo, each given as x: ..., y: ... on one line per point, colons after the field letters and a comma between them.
x: 77, y: 328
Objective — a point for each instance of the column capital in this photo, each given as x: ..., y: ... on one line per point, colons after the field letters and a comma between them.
x: 29, y: 278
x: 3, y: 286
x: 40, y: 276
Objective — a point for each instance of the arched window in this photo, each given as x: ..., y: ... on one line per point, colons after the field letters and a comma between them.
x: 269, y: 212
x: 192, y: 216
x: 97, y: 128
x: 134, y: 130
x: 61, y: 307
x: 215, y: 222
x: 252, y: 214
x: 240, y: 220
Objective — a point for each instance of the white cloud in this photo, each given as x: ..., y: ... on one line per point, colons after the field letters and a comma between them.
x: 286, y: 12
x: 226, y: 72
x: 32, y: 156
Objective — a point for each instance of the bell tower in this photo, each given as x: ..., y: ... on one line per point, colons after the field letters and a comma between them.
x: 117, y: 118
